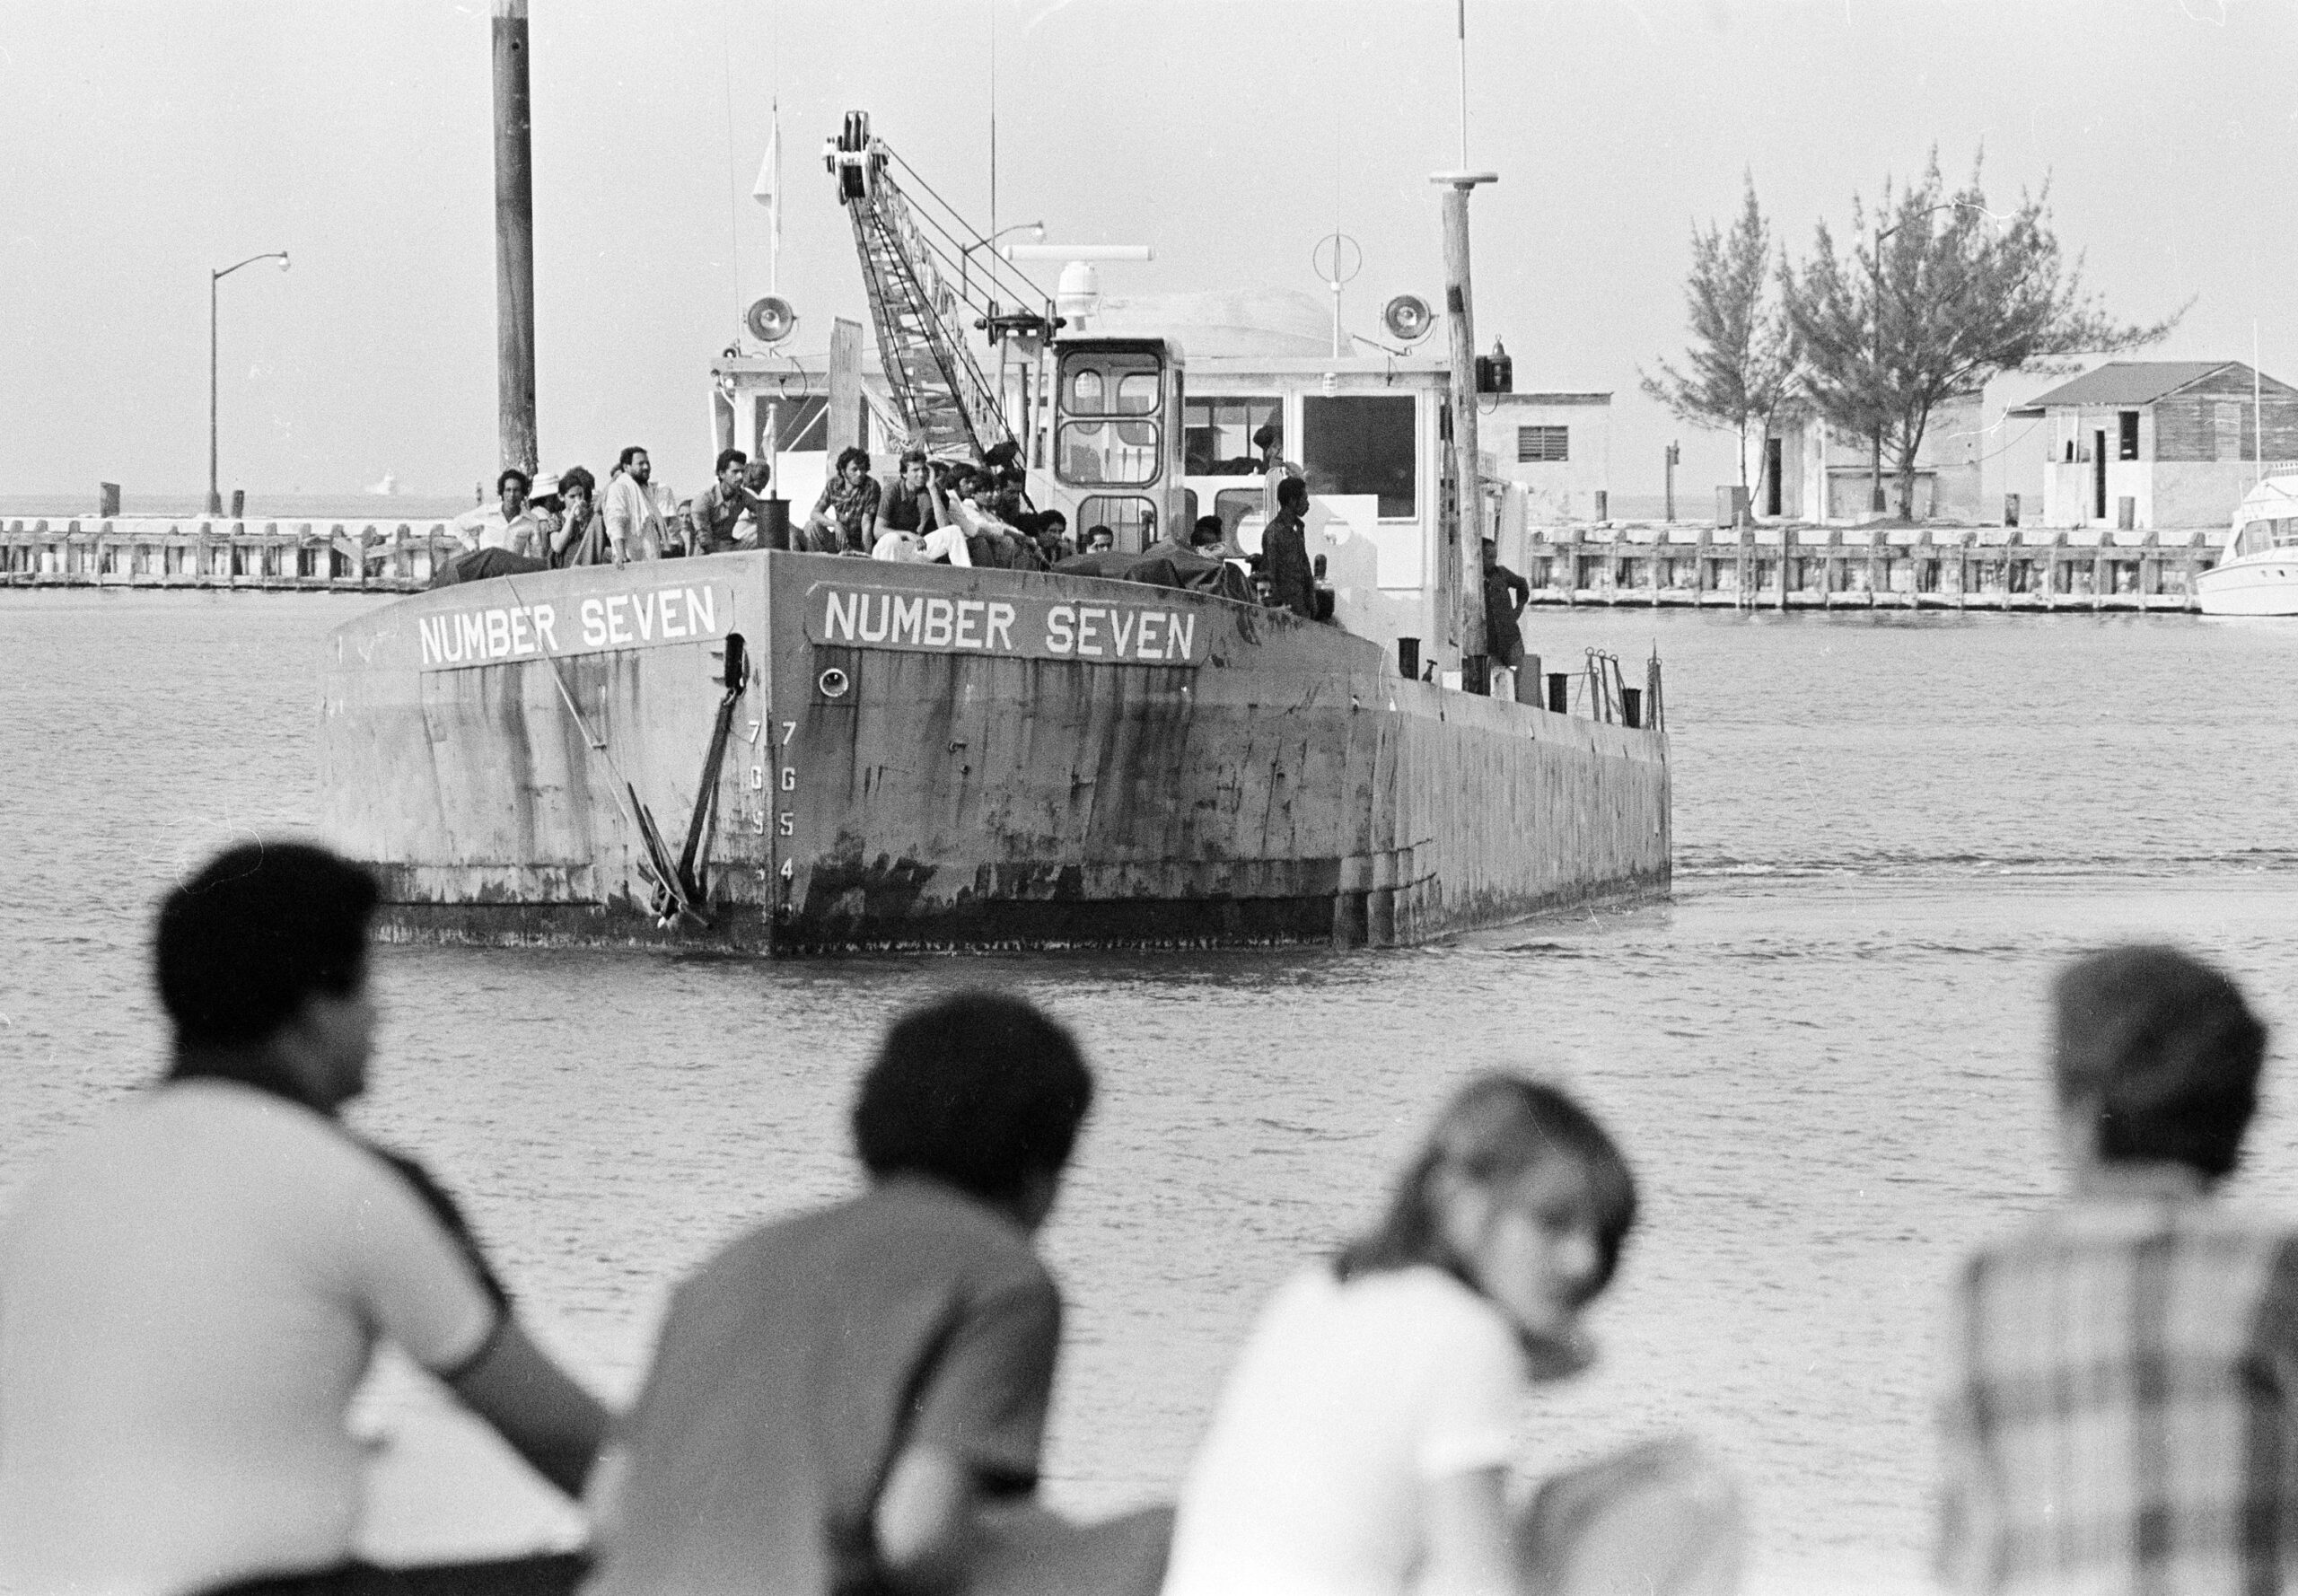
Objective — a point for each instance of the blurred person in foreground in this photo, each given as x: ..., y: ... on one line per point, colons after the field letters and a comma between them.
x: 2120, y: 1410
x: 1362, y: 1440
x: 191, y: 1289
x: 853, y: 1400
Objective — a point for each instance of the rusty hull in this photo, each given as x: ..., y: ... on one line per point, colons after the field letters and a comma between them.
x: 1280, y: 785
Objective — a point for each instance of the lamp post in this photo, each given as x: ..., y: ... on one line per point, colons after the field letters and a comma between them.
x: 216, y: 498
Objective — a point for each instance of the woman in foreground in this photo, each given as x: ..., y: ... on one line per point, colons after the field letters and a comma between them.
x: 1362, y: 1441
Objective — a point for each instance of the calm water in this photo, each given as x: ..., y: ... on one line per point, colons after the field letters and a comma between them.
x: 1822, y: 1054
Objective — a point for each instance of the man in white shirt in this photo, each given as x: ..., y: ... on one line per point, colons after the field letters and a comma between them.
x: 507, y: 525
x: 191, y: 1289
x: 634, y: 525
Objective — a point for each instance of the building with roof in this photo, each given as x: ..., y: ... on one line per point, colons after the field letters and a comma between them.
x: 1822, y: 474
x: 2160, y: 444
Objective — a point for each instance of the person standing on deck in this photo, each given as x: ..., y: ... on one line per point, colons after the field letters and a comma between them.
x: 633, y: 526
x: 191, y: 1289
x: 1292, y: 584
x: 1505, y: 595
x: 853, y: 1400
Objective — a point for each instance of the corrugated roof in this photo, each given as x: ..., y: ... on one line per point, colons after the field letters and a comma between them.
x: 2124, y: 382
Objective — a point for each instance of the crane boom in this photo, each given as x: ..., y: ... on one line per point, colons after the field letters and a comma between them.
x: 946, y: 402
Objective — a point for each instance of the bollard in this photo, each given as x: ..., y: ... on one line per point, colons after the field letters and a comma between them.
x: 1631, y: 707
x: 1527, y: 681
x: 1409, y: 658
x: 774, y: 524
x: 1559, y: 692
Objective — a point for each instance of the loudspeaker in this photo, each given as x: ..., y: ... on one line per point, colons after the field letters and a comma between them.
x: 771, y: 319
x: 1407, y: 317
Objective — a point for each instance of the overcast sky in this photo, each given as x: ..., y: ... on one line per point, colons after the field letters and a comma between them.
x: 146, y: 143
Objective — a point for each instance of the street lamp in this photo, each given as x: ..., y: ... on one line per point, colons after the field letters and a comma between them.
x: 1036, y: 230
x: 215, y: 498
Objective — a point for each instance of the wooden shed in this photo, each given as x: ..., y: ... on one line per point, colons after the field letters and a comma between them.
x: 2160, y: 444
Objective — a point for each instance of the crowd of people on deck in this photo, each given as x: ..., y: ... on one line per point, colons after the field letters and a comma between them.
x: 851, y: 1402
x: 934, y: 511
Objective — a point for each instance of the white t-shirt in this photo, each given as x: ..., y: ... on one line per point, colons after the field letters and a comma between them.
x: 485, y: 527
x: 1346, y: 1401
x: 188, y: 1296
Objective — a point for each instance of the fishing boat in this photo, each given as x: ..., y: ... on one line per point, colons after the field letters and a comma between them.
x: 782, y: 752
x: 2259, y: 573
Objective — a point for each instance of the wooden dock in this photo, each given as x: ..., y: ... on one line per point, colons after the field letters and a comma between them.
x: 1986, y: 568
x: 346, y: 555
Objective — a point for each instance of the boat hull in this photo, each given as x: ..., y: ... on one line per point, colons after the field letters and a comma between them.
x: 2258, y: 584
x: 922, y: 757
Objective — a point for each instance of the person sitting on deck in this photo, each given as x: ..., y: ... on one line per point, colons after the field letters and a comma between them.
x: 718, y: 508
x: 581, y: 538
x: 2118, y: 1410
x: 751, y: 531
x: 962, y: 502
x: 1098, y: 540
x: 191, y: 1289
x: 1362, y: 1439
x: 1196, y: 566
x: 843, y: 517
x: 505, y: 524
x: 854, y: 1399
x: 908, y: 505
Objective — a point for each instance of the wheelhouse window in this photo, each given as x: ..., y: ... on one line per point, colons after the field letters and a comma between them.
x: 791, y: 425
x: 1362, y: 444
x: 1109, y: 431
x: 1545, y: 443
x: 1130, y: 516
x: 1217, y: 434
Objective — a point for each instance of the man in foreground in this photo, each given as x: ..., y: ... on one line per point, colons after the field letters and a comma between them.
x: 1292, y: 581
x: 720, y: 508
x: 2121, y: 1406
x: 190, y: 1291
x: 853, y: 1400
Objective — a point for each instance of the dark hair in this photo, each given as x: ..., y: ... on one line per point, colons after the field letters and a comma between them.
x: 978, y: 1089
x: 1292, y: 491
x: 508, y: 473
x: 1052, y: 520
x: 1264, y: 434
x: 238, y: 947
x: 913, y: 457
x: 1494, y: 1129
x: 729, y: 457
x: 1092, y: 532
x: 846, y: 456
x: 1209, y: 529
x: 628, y: 454
x: 2165, y: 1048
x: 578, y: 476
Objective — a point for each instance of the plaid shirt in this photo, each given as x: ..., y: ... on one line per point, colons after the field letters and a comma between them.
x: 2122, y: 1411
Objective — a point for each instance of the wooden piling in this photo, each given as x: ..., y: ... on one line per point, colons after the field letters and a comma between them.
x: 515, y: 241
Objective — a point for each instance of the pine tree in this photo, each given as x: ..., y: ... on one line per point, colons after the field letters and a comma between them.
x: 1944, y: 295
x: 1741, y: 359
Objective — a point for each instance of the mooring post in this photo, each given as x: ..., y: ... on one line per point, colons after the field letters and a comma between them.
x: 515, y: 241
x: 1467, y: 467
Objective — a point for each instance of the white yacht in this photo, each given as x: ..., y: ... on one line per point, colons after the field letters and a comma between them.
x: 2259, y: 574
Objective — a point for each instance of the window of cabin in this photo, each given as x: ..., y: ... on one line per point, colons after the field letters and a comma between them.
x: 1543, y: 444
x: 1218, y: 433
x: 2254, y: 536
x: 2129, y: 444
x: 1363, y: 443
x: 1133, y: 519
x: 792, y: 426
x: 1098, y: 387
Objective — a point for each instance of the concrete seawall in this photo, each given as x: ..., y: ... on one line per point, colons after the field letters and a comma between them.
x: 199, y: 552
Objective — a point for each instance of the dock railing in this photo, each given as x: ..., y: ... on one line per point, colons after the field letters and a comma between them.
x: 2008, y: 568
x: 343, y: 554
